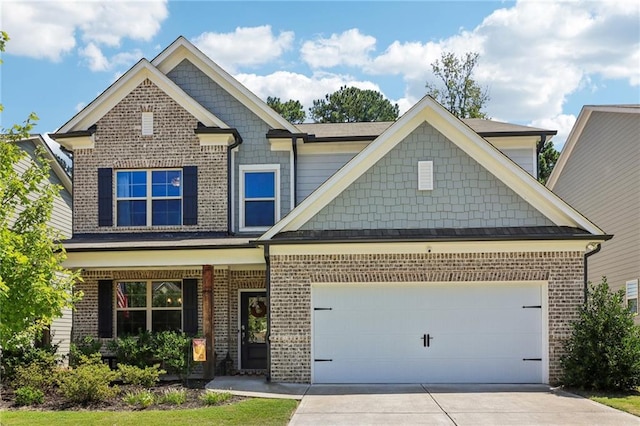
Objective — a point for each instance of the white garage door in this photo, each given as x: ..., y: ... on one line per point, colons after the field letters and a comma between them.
x: 427, y: 333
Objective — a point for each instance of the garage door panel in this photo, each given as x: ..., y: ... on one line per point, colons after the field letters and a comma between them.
x: 479, y: 333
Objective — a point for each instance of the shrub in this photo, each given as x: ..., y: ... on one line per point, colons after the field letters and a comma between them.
x: 86, y: 346
x: 142, y: 399
x: 35, y: 376
x: 148, y: 376
x: 89, y: 382
x: 11, y: 360
x: 173, y: 397
x: 133, y: 350
x: 603, y: 352
x: 213, y: 398
x: 173, y: 349
x: 27, y: 395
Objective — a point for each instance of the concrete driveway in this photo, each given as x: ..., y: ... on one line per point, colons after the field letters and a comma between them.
x: 451, y: 405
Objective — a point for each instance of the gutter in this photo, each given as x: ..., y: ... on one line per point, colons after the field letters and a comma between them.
x: 238, y: 141
x: 294, y: 145
x: 586, y: 257
x: 543, y: 140
x: 378, y: 240
x: 267, y: 261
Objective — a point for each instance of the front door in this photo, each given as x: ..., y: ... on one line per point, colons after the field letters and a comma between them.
x: 253, y: 330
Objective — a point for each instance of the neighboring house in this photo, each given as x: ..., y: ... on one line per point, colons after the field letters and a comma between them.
x: 60, y: 330
x: 413, y: 251
x: 598, y: 173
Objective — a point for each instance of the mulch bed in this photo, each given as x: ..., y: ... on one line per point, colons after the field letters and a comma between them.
x: 53, y: 401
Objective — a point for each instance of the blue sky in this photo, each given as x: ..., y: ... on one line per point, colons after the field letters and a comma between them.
x: 541, y: 60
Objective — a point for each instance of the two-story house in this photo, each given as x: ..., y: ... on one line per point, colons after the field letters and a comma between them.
x: 422, y: 250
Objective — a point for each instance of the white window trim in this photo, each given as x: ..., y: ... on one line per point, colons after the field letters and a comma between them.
x: 149, y: 301
x: 626, y: 293
x: 149, y: 198
x: 258, y: 168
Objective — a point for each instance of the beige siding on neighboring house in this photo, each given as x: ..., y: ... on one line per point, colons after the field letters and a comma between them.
x: 601, y: 179
x: 523, y: 157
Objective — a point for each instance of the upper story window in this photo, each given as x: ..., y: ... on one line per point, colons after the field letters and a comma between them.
x: 149, y: 197
x: 259, y: 196
x: 155, y: 197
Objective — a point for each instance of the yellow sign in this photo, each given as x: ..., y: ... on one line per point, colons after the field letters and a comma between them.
x: 199, y: 349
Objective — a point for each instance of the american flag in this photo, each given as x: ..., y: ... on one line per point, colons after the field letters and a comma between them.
x: 123, y: 302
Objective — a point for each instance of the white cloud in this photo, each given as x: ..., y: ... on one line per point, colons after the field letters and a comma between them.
x: 246, y: 46
x: 50, y: 30
x: 94, y: 57
x: 288, y: 85
x: 533, y: 55
x: 563, y: 123
x: 348, y: 48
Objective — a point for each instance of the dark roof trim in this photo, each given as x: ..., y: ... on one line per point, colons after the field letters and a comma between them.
x: 311, y: 138
x: 550, y: 233
x: 525, y: 133
x: 75, y: 134
x: 250, y: 244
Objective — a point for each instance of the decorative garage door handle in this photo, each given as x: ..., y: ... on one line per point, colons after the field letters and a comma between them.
x: 426, y: 340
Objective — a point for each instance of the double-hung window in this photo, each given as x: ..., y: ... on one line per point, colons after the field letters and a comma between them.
x: 259, y: 196
x: 152, y: 305
x: 149, y: 197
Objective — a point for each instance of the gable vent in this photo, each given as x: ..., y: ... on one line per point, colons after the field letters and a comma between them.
x: 425, y: 175
x: 147, y: 123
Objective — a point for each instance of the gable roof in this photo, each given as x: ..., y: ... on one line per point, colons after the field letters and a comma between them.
x: 124, y: 85
x: 430, y: 111
x: 182, y: 49
x: 56, y: 168
x: 576, y: 133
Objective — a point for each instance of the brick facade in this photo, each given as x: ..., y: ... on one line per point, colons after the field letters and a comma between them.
x: 119, y: 144
x: 226, y: 286
x: 292, y: 276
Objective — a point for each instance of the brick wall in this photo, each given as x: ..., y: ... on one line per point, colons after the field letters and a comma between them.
x: 226, y: 284
x: 292, y: 276
x: 119, y: 144
x: 85, y: 317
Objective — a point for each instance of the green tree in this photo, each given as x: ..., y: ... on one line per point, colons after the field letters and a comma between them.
x: 546, y: 161
x: 291, y: 110
x: 350, y: 105
x: 603, y: 352
x: 34, y: 286
x: 458, y: 91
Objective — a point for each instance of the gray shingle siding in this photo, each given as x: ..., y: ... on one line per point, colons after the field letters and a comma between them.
x: 314, y: 169
x: 465, y: 194
x: 255, y: 147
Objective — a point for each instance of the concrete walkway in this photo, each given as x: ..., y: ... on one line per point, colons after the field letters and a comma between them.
x: 459, y: 405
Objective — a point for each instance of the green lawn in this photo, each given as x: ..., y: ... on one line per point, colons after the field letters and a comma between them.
x: 255, y: 411
x: 628, y: 401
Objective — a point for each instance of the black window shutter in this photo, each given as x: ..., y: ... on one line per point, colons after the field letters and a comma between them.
x: 105, y: 197
x: 190, y: 305
x: 105, y: 308
x: 190, y: 195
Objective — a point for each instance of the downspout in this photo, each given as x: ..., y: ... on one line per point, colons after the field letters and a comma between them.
x: 543, y: 140
x: 238, y: 141
x: 586, y: 256
x: 294, y: 144
x: 267, y: 261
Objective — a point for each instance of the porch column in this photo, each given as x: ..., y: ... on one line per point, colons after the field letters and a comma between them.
x: 207, y: 319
